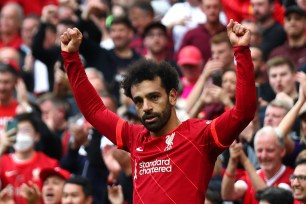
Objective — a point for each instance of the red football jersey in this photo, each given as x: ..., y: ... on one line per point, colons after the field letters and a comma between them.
x: 174, y: 168
x: 280, y: 180
x: 16, y: 173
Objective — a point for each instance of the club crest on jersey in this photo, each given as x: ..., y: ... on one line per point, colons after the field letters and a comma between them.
x: 169, y: 141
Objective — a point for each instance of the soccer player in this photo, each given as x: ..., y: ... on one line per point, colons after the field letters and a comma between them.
x: 172, y: 161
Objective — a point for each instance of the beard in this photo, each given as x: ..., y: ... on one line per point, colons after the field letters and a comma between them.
x: 162, y: 119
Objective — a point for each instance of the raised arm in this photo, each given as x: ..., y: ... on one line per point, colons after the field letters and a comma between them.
x: 229, y: 125
x: 87, y: 98
x: 287, y: 122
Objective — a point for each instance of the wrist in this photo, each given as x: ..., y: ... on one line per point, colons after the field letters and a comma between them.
x: 229, y: 175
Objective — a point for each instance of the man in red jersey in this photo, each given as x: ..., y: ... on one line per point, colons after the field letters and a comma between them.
x: 269, y: 149
x: 8, y: 103
x: 172, y: 161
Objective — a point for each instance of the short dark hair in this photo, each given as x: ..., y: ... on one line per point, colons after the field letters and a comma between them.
x: 280, y: 60
x: 275, y: 195
x: 145, y: 69
x: 7, y: 67
x: 122, y: 20
x: 300, y: 162
x: 143, y: 5
x: 81, y: 181
x: 154, y: 25
x: 29, y: 117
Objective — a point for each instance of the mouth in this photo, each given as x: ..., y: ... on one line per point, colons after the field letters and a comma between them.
x: 49, y: 196
x: 150, y: 118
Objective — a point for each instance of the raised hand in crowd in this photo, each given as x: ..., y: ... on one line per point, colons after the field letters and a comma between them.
x: 49, y: 14
x: 6, y: 195
x: 7, y: 139
x: 115, y: 194
x: 30, y: 192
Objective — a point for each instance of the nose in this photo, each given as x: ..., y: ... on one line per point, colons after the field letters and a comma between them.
x: 146, y: 106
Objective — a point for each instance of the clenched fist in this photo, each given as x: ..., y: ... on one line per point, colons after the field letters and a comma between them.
x: 71, y: 40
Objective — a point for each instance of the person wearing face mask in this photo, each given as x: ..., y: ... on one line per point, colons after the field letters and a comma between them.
x: 23, y: 166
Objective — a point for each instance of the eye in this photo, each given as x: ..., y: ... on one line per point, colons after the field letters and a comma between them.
x: 154, y: 97
x: 137, y: 101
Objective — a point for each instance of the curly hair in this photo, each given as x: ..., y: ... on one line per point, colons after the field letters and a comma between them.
x: 144, y: 69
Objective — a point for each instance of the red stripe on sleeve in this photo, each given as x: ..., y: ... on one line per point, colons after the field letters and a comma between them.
x: 119, y: 134
x: 215, y: 135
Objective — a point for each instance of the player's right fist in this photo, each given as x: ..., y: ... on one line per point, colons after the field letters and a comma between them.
x: 71, y: 40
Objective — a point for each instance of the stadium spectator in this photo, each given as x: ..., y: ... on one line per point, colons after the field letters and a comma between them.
x: 295, y: 46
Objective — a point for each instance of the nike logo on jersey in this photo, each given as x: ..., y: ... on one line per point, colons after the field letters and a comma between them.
x: 10, y: 173
x: 139, y: 149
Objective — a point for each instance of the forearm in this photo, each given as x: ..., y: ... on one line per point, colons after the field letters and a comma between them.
x: 257, y: 182
x: 196, y: 109
x: 228, y: 181
x: 195, y: 93
x: 286, y: 124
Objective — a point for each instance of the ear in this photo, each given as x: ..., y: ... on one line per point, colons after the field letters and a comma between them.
x: 283, y: 152
x: 37, y: 137
x: 173, y: 97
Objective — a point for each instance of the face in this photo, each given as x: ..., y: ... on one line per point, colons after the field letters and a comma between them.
x: 269, y: 153
x: 51, y: 115
x: 299, y: 185
x: 255, y: 34
x: 52, y: 189
x: 191, y: 72
x: 28, y: 30
x: 262, y: 10
x: 222, y: 52
x: 73, y: 194
x: 121, y: 35
x: 229, y: 83
x: 96, y: 81
x: 139, y: 19
x: 156, y: 41
x: 294, y: 25
x: 281, y: 79
x: 27, y: 128
x: 302, y: 4
x: 7, y: 86
x: 152, y: 104
x: 274, y: 115
x: 212, y: 9
x: 9, y: 22
x: 257, y: 60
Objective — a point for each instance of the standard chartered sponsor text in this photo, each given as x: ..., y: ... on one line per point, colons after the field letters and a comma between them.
x: 156, y: 166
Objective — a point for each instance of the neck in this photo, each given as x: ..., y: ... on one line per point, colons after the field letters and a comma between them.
x: 297, y: 41
x: 157, y: 57
x: 172, y: 124
x: 124, y: 52
x: 6, y: 102
x: 273, y: 172
x: 293, y: 94
x: 24, y: 155
x: 212, y: 27
x: 7, y: 37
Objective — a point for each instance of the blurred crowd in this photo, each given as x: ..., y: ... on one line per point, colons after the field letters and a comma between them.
x: 51, y: 154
